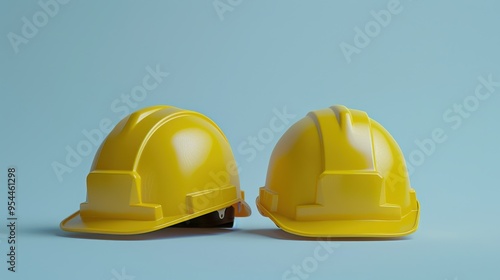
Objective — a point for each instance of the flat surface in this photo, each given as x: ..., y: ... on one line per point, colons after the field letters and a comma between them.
x: 255, y: 70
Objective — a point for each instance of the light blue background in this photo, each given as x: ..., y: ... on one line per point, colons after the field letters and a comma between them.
x: 262, y: 55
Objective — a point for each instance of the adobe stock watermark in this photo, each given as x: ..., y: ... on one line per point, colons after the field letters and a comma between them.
x: 310, y: 264
x: 122, y: 275
x: 202, y: 196
x: 251, y: 147
x: 223, y: 6
x: 454, y: 117
x: 121, y: 107
x: 31, y: 26
x: 257, y: 143
x: 372, y: 29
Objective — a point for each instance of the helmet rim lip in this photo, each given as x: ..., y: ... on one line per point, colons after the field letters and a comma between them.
x: 408, y: 224
x: 75, y: 223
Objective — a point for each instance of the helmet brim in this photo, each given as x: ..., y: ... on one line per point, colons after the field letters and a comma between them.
x: 346, y: 228
x: 242, y: 209
x: 76, y: 223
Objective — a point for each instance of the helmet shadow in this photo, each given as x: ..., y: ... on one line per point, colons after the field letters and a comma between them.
x: 283, y: 235
x: 166, y: 233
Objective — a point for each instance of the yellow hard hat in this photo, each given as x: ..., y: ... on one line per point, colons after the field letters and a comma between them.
x: 160, y: 166
x: 338, y: 173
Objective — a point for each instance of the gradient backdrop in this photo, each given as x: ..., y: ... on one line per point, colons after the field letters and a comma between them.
x: 68, y: 68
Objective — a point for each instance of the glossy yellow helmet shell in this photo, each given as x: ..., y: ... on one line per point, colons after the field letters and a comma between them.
x: 338, y: 173
x: 160, y: 166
